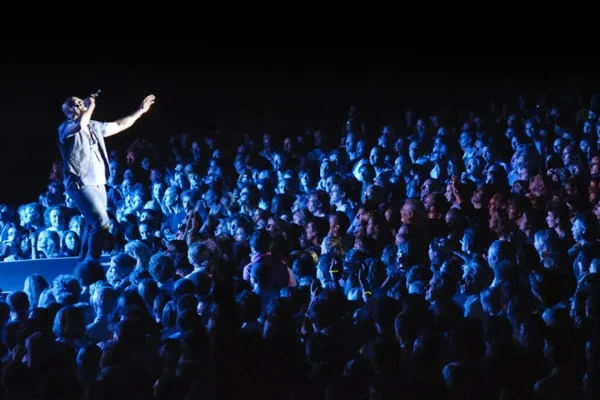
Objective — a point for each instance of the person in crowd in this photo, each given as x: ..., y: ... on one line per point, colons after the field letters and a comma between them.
x: 451, y: 256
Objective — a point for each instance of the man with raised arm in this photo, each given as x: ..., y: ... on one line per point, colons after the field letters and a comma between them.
x: 85, y: 165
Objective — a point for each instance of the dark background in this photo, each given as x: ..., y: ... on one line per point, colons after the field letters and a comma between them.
x: 242, y: 89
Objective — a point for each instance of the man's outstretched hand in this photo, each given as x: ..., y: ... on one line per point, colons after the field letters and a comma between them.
x: 147, y: 103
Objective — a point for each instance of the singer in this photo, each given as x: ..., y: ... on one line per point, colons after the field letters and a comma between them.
x: 85, y: 163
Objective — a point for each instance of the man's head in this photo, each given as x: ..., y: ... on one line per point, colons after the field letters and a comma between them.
x: 73, y: 107
x: 440, y: 288
x: 477, y: 275
x: 260, y: 274
x: 585, y: 227
x: 121, y: 265
x: 104, y: 300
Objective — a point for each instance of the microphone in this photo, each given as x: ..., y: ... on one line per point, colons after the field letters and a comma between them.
x: 96, y: 94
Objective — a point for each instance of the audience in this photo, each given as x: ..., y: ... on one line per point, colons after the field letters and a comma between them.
x: 452, y: 258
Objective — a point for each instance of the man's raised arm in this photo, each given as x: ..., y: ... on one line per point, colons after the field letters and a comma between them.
x: 112, y: 128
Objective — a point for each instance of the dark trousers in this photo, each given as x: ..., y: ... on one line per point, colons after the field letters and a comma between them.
x: 91, y: 203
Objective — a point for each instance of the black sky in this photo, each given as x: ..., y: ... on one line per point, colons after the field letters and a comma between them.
x: 255, y: 87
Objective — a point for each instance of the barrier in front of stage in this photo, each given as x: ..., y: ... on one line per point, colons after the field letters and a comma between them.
x: 13, y: 273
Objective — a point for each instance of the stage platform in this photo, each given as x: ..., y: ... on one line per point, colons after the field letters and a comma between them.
x: 13, y: 273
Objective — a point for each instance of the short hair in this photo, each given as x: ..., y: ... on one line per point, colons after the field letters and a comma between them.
x: 250, y: 305
x: 187, y: 302
x: 67, y: 105
x: 342, y: 220
x: 88, y: 272
x: 501, y: 250
x: 333, y: 245
x: 162, y: 267
x: 105, y: 299
x: 66, y: 284
x: 69, y: 323
x: 261, y: 241
x: 590, y: 223
x: 198, y: 252
x: 18, y: 301
x: 261, y: 273
x: 124, y: 260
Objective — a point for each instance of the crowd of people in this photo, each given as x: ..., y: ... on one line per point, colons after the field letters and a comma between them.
x: 453, y: 256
